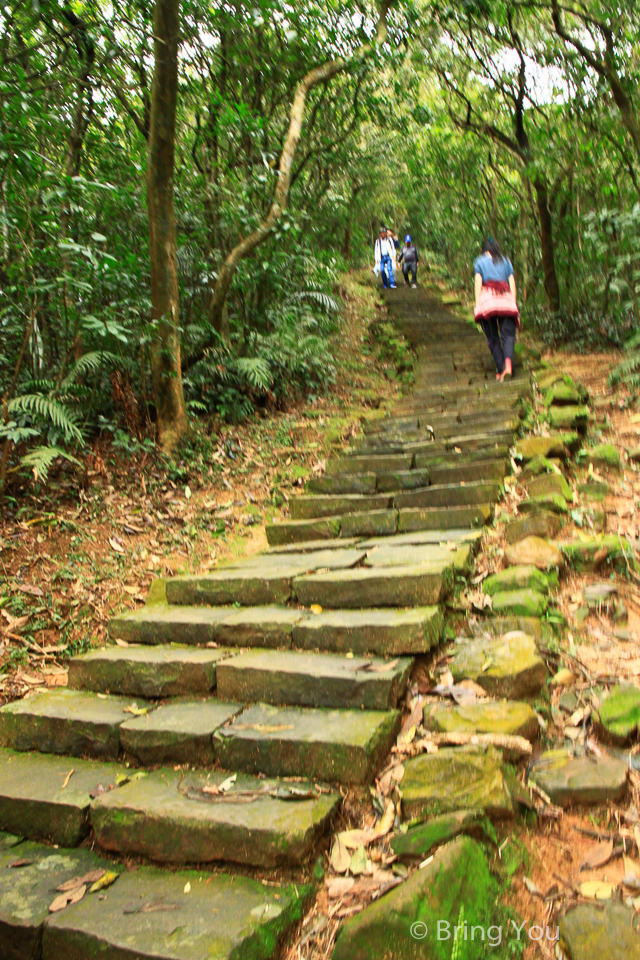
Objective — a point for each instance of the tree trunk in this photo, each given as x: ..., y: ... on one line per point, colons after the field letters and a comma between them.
x: 546, y: 243
x: 171, y: 413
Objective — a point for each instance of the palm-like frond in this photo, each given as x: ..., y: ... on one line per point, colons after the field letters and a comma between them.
x: 90, y: 363
x: 59, y: 415
x: 40, y: 459
x: 328, y: 303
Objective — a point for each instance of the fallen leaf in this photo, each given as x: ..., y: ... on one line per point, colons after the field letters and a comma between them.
x: 116, y: 545
x: 121, y: 643
x: 28, y: 588
x: 598, y: 855
x: 404, y: 739
x: 108, y: 877
x: 136, y: 710
x: 228, y: 783
x: 596, y: 889
x: 67, y: 778
x: 564, y: 678
x: 32, y: 681
x: 76, y: 882
x: 391, y: 776
x: 20, y: 863
x: 72, y: 896
x: 446, y: 679
x: 358, y: 863
x: 315, y: 608
x: 187, y: 887
x: 338, y: 886
x: 340, y: 857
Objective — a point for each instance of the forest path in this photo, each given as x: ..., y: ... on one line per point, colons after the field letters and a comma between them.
x: 290, y: 664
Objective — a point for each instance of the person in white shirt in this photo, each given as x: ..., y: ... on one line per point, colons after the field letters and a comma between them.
x: 384, y: 252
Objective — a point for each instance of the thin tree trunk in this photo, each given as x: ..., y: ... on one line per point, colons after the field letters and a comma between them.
x: 171, y: 413
x: 551, y: 286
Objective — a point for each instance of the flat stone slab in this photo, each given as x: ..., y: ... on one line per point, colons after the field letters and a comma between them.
x: 468, y: 472
x: 600, y: 931
x: 601, y: 553
x: 310, y: 546
x: 432, y: 456
x: 458, y: 554
x: 162, y: 623
x: 299, y: 531
x: 383, y: 631
x: 369, y: 523
x: 351, y: 483
x: 570, y: 779
x: 368, y: 464
x: 552, y: 502
x: 421, y: 585
x: 507, y: 666
x: 27, y: 892
x: 270, y: 627
x: 547, y: 484
x: 65, y: 721
x: 519, y: 603
x: 160, y: 671
x: 455, y: 778
x: 402, y: 480
x: 540, y: 523
x: 35, y: 803
x: 440, y: 537
x: 450, y: 495
x: 313, y: 680
x: 620, y: 713
x: 307, y: 508
x: 403, y: 924
x: 177, y: 733
x: 346, y: 746
x: 419, y: 841
x: 554, y: 446
x: 168, y: 818
x: 535, y: 551
x: 505, y: 717
x: 440, y: 518
x: 524, y: 576
x: 147, y: 913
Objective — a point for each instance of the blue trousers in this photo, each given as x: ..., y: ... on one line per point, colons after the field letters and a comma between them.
x: 386, y: 272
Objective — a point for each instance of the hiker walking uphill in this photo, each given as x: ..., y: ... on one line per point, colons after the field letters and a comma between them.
x: 496, y: 309
x: 410, y: 260
x: 384, y: 253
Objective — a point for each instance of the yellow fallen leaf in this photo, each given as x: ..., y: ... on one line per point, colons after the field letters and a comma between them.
x: 315, y: 608
x: 596, y: 889
x: 107, y: 878
x: 136, y: 710
x: 67, y: 778
x: 187, y: 887
x: 404, y: 739
x: 564, y: 678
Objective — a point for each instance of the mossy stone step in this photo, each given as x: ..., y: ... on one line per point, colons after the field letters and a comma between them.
x: 534, y: 550
x: 456, y: 778
x: 507, y: 666
x: 505, y: 717
x: 27, y: 893
x: 450, y: 495
x: 42, y: 799
x: 270, y: 627
x: 259, y: 581
x: 162, y: 623
x: 600, y: 552
x: 379, y: 631
x: 299, y: 531
x: 431, y: 457
x: 516, y: 578
x: 568, y: 417
x: 361, y: 483
x: 307, y: 508
x: 549, y: 483
x: 570, y: 778
x: 147, y: 913
x: 422, y: 585
x: 469, y: 472
x: 599, y: 931
x: 369, y: 523
x: 404, y: 924
x: 441, y: 537
x: 168, y: 817
x: 420, y: 840
x: 344, y: 746
x: 177, y: 733
x: 557, y: 445
x: 519, y: 603
x: 458, y: 554
x: 375, y: 463
x: 553, y: 502
x: 73, y: 722
x: 150, y: 671
x: 402, y: 480
x: 540, y: 523
x: 299, y: 678
x: 441, y: 518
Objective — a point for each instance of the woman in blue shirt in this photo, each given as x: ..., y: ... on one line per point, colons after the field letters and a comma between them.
x: 496, y: 309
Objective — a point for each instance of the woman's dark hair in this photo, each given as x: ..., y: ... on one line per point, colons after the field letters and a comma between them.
x: 493, y: 247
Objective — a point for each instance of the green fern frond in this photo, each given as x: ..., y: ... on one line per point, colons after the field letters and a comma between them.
x: 256, y: 370
x: 90, y: 363
x: 328, y: 303
x: 40, y: 459
x: 60, y: 416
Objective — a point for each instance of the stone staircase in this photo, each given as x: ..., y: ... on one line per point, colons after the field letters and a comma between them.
x: 221, y: 724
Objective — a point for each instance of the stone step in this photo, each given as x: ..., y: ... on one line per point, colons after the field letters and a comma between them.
x: 440, y: 537
x: 147, y: 913
x: 45, y: 797
x: 362, y: 483
x: 177, y: 733
x: 260, y: 581
x: 149, y: 671
x: 308, y: 508
x: 268, y: 626
x: 430, y: 459
x: 440, y: 518
x: 344, y: 746
x: 176, y: 817
x: 72, y: 722
x: 450, y: 495
x: 299, y: 531
x: 373, y: 463
x: 402, y: 480
x: 378, y: 631
x: 304, y: 679
x: 390, y: 554
x: 422, y: 585
x: 369, y: 523
x: 469, y: 471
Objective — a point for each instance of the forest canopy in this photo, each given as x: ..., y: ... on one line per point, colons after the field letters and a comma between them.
x: 183, y: 183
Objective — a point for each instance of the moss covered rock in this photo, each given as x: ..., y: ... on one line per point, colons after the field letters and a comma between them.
x: 520, y: 603
x: 516, y: 578
x: 507, y: 666
x: 605, y: 456
x: 536, y: 551
x: 620, y: 713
